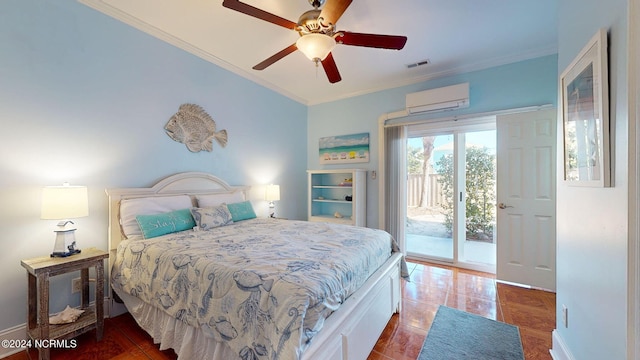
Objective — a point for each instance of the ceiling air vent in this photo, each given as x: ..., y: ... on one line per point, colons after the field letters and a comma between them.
x: 419, y: 63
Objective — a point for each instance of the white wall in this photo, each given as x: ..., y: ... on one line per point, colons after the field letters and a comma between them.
x: 84, y: 98
x: 592, y: 223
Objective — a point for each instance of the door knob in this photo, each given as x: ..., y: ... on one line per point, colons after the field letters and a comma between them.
x: 504, y: 206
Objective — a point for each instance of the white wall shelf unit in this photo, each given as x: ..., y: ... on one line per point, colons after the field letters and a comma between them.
x: 333, y: 198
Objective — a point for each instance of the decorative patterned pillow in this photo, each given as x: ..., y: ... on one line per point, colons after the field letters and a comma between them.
x: 241, y: 211
x: 165, y: 223
x: 212, y: 217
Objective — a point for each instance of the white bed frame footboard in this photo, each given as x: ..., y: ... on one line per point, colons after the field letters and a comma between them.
x: 350, y: 333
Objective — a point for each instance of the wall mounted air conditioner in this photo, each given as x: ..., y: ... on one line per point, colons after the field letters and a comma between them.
x: 440, y: 99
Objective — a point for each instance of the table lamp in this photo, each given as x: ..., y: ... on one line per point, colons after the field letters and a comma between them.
x: 272, y: 193
x: 63, y: 203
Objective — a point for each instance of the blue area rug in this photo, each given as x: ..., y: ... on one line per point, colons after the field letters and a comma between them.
x: 457, y: 335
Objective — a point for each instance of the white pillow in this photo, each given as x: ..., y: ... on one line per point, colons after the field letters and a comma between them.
x: 214, y: 200
x: 129, y: 208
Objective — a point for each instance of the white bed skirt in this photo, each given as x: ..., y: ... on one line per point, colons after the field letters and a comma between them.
x: 187, y: 341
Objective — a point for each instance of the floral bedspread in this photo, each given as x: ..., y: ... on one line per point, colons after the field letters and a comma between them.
x: 263, y: 286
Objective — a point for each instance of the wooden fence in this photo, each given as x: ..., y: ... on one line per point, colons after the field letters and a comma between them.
x: 433, y: 193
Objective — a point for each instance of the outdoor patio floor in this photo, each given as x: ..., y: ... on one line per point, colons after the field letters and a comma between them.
x: 442, y: 248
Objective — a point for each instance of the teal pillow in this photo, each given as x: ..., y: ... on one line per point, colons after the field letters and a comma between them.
x: 165, y: 223
x: 241, y: 211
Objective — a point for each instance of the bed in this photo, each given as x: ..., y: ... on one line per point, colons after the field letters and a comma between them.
x: 247, y: 288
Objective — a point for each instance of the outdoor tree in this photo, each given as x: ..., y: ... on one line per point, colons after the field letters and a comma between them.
x: 414, y: 160
x: 418, y: 160
x: 427, y: 151
x: 480, y: 192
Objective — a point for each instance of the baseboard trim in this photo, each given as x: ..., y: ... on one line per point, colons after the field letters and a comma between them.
x: 559, y: 350
x: 19, y: 333
x: 12, y: 334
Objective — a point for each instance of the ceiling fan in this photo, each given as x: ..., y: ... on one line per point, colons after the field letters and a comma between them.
x: 318, y: 35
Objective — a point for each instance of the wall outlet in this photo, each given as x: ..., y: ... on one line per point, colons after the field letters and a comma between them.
x: 565, y: 316
x: 76, y: 285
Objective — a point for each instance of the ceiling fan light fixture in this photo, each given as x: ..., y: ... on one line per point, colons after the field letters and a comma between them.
x: 316, y: 47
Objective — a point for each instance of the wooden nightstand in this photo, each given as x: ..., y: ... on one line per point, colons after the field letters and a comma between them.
x: 39, y: 270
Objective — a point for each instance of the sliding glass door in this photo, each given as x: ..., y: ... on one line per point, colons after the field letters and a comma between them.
x: 479, y: 236
x: 429, y: 231
x: 451, y: 195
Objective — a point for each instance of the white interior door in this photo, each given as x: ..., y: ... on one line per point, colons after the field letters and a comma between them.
x: 526, y: 191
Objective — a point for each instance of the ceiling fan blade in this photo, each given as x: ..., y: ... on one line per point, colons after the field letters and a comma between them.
x: 372, y: 40
x: 258, y: 13
x: 333, y: 10
x: 279, y: 55
x: 331, y: 69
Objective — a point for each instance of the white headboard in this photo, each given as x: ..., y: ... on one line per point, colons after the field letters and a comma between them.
x: 187, y: 183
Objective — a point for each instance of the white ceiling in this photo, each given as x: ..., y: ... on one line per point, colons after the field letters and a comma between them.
x: 454, y: 35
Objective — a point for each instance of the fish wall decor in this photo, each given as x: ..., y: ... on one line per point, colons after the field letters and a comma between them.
x: 192, y: 126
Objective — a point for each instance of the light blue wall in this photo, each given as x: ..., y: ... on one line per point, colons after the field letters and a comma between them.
x: 521, y: 84
x: 592, y: 224
x: 84, y: 98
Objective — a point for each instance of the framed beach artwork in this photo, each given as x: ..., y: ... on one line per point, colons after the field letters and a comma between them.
x: 344, y: 149
x: 585, y: 116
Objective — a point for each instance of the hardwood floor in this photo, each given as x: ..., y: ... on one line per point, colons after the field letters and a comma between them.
x: 533, y: 311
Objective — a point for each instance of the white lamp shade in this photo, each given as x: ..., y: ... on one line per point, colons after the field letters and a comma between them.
x: 272, y: 193
x: 64, y: 202
x: 316, y: 46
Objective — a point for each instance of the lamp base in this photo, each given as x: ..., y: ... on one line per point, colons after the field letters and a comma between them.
x: 272, y: 209
x: 76, y: 251
x: 65, y: 243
